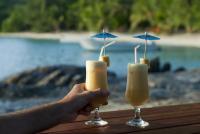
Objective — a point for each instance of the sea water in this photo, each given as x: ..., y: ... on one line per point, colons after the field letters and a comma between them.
x: 19, y: 54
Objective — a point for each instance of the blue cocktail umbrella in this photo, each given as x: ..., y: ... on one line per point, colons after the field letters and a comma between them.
x: 146, y: 36
x: 104, y: 35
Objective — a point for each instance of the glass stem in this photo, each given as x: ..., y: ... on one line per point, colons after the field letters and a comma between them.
x: 137, y: 113
x: 96, y: 114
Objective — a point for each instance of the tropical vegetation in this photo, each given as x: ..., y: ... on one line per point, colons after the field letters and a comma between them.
x: 169, y: 16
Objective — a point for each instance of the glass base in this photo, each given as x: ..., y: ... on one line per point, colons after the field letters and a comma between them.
x: 137, y: 123
x: 96, y: 123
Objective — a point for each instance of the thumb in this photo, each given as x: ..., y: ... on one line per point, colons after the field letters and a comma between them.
x: 90, y: 95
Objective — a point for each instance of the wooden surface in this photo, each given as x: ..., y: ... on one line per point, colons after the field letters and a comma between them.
x: 181, y: 119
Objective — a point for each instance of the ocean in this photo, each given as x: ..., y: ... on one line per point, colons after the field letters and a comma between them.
x: 19, y: 54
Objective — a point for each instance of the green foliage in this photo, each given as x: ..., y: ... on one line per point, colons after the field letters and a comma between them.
x: 118, y: 15
x: 166, y: 15
x: 96, y: 14
x: 6, y: 7
x: 37, y: 15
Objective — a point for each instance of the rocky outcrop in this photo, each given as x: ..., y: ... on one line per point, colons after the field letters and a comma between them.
x: 180, y: 69
x: 175, y: 85
x: 44, y: 81
x: 43, y: 85
x: 179, y: 86
x: 156, y: 67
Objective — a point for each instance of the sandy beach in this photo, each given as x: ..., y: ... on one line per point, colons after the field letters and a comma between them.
x: 186, y: 39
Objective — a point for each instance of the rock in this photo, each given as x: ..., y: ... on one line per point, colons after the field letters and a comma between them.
x: 77, y: 79
x: 14, y: 79
x: 152, y: 84
x: 154, y: 65
x: 49, y: 79
x: 64, y: 80
x: 180, y: 69
x: 159, y: 94
x: 44, y: 81
x: 166, y: 67
x: 163, y: 86
x: 27, y: 80
x: 112, y: 77
x: 8, y: 110
x: 3, y: 85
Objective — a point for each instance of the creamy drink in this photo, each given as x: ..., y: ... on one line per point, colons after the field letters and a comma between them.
x: 96, y: 77
x: 137, y: 91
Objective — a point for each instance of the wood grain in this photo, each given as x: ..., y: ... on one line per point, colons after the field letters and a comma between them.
x: 169, y: 119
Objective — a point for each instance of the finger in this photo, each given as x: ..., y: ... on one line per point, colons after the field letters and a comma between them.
x: 89, y: 109
x: 84, y: 113
x: 83, y: 86
x: 79, y: 87
x: 93, y: 94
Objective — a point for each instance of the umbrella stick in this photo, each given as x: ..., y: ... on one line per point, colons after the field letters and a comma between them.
x: 145, y: 49
x: 104, y: 53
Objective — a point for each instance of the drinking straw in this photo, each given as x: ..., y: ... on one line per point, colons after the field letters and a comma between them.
x: 102, y: 52
x: 135, y: 52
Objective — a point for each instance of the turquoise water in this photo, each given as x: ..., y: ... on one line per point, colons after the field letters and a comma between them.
x: 18, y: 54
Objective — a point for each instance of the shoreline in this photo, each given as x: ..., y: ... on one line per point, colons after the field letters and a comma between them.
x: 165, y: 88
x: 186, y: 39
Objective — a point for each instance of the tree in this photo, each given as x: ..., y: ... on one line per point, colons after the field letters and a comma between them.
x: 6, y: 6
x: 167, y: 16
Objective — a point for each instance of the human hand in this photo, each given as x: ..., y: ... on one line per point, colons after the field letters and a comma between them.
x: 78, y: 100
